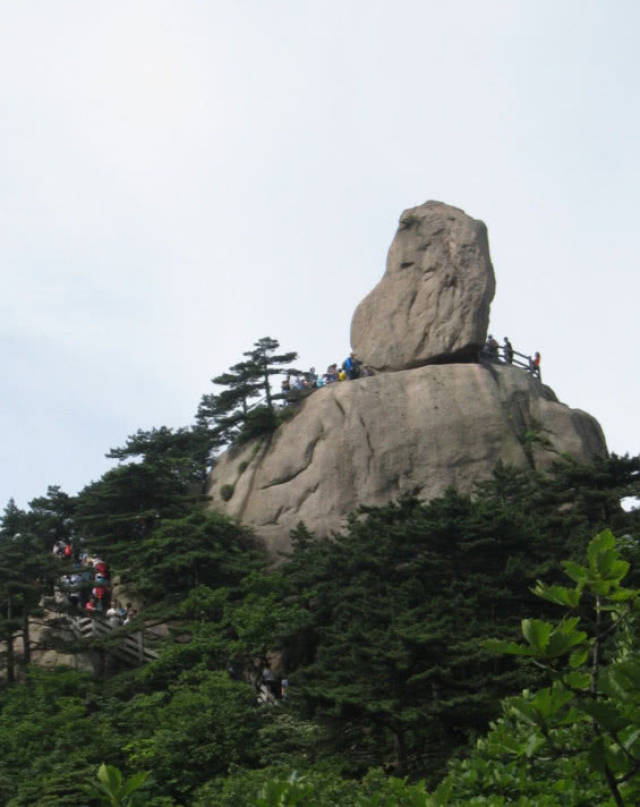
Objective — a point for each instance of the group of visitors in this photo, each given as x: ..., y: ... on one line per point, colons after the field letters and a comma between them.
x: 87, y: 585
x: 495, y: 352
x: 350, y: 369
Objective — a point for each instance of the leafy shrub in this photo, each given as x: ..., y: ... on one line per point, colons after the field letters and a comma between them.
x: 226, y: 492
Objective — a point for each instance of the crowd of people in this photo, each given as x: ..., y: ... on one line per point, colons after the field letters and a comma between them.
x: 87, y: 588
x: 350, y: 369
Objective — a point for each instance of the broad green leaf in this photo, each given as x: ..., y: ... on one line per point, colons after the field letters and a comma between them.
x: 560, y: 595
x: 564, y: 637
x: 134, y: 782
x: 500, y: 646
x: 578, y: 680
x: 623, y: 594
x: 577, y: 573
x: 534, y: 744
x: 601, y: 543
x: 578, y: 657
x: 537, y: 633
x: 605, y: 562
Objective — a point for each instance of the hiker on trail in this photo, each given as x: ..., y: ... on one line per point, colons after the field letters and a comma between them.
x: 101, y: 595
x: 101, y: 568
x: 507, y: 351
x: 113, y: 617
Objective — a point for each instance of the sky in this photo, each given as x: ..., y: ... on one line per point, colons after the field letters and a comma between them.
x: 179, y: 178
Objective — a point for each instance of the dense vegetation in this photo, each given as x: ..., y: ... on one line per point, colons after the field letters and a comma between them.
x: 380, y: 630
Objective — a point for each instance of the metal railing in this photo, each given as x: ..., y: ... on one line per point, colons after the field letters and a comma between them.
x: 499, y: 356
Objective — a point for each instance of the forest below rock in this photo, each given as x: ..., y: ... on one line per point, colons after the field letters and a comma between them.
x: 379, y: 631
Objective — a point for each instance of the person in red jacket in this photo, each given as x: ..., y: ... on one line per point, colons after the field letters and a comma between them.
x: 534, y: 364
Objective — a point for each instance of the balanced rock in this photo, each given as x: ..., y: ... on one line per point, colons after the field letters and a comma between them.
x: 370, y: 440
x: 432, y: 304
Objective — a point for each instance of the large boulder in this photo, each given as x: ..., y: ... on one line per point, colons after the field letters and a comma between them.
x: 432, y: 304
x: 373, y: 439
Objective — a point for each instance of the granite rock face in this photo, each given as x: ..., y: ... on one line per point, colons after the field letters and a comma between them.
x: 370, y: 440
x: 432, y: 303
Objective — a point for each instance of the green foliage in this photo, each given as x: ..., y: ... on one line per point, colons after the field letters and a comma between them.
x: 272, y: 787
x: 201, y: 549
x: 27, y: 568
x: 50, y: 742
x: 591, y: 709
x: 226, y: 492
x: 193, y: 732
x: 123, y: 506
x: 227, y: 416
x: 378, y: 630
x: 386, y: 652
x: 114, y: 790
x: 184, y: 451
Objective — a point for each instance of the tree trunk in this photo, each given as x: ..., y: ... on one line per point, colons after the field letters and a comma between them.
x: 400, y: 749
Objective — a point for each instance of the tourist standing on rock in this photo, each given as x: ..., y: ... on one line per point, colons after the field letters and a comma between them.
x: 507, y: 350
x: 491, y: 348
x: 351, y: 366
x: 534, y: 364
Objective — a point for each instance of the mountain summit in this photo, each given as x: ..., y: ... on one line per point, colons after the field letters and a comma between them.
x: 435, y: 413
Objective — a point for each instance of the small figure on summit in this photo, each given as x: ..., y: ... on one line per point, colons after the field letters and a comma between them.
x: 507, y: 350
x: 351, y: 366
x: 491, y: 348
x: 534, y: 364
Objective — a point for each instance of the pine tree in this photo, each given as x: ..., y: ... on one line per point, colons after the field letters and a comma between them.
x: 27, y: 570
x: 228, y: 415
x: 268, y: 363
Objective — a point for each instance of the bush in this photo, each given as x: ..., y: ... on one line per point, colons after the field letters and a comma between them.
x: 226, y: 492
x: 261, y: 420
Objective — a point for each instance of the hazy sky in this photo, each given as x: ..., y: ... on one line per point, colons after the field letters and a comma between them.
x: 179, y: 179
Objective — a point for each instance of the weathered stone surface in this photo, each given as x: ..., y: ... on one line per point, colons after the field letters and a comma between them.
x: 432, y: 304
x: 42, y: 655
x: 370, y: 440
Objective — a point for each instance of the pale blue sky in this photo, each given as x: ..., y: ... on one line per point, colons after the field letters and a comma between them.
x: 182, y: 178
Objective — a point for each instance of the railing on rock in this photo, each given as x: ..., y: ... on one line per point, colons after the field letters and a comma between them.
x: 130, y: 647
x: 517, y: 359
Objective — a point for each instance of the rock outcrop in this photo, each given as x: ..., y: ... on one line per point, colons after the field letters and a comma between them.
x: 440, y: 418
x: 373, y: 439
x: 432, y: 304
